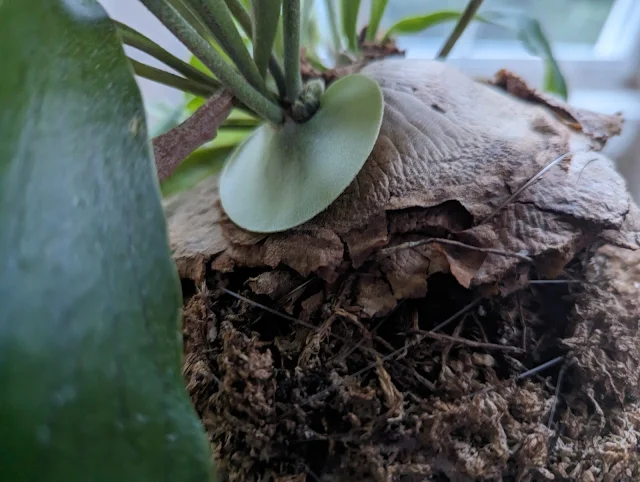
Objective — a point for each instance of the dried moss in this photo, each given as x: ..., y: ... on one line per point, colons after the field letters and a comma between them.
x: 280, y: 398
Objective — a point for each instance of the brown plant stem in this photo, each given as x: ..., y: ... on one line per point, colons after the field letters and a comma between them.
x: 171, y: 148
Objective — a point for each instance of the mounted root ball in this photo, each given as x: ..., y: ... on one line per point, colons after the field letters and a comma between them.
x: 466, y: 310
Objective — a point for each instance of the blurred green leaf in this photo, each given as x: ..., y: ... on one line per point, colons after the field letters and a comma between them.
x: 281, y: 177
x: 278, y: 44
x: 195, y: 61
x: 203, y: 163
x: 266, y: 15
x: 194, y: 103
x: 332, y: 17
x: 162, y: 118
x: 228, y: 137
x: 90, y: 339
x: 241, y: 118
x: 349, y: 11
x: 530, y: 33
x: 420, y: 23
x: 315, y: 62
x: 526, y: 29
x: 309, y: 30
x: 375, y: 16
x: 307, y: 20
x: 209, y: 159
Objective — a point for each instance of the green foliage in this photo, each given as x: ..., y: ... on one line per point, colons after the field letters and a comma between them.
x: 230, y: 78
x: 209, y: 159
x: 308, y: 26
x: 375, y: 16
x: 526, y: 29
x: 89, y: 296
x: 333, y: 18
x: 137, y: 40
x: 529, y: 32
x: 291, y: 31
x: 266, y: 15
x: 205, y: 162
x: 420, y: 23
x: 218, y: 19
x: 349, y: 11
x: 281, y: 177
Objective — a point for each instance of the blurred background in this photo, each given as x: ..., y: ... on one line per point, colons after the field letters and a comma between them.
x: 596, y: 42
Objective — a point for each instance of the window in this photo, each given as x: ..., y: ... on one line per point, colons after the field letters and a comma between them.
x: 595, y: 41
x: 587, y: 16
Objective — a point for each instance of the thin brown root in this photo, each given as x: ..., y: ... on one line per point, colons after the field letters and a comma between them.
x: 414, y: 244
x: 527, y: 374
x: 525, y: 186
x: 284, y: 316
x: 389, y: 356
x: 467, y: 342
x: 556, y: 398
x: 534, y: 371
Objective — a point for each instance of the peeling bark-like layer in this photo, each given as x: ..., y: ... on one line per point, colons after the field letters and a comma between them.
x: 450, y: 152
x: 474, y: 196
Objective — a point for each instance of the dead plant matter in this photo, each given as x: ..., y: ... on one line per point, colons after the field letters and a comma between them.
x: 393, y: 336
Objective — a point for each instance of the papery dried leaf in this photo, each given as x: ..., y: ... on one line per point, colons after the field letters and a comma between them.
x: 374, y: 296
x: 274, y: 284
x: 600, y: 127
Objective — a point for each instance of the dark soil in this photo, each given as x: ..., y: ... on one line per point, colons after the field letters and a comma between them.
x: 540, y: 385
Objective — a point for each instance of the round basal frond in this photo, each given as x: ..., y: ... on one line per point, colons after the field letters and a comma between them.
x: 282, y: 176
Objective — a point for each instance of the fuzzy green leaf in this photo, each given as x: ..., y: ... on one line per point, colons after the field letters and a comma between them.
x: 315, y: 62
x: 91, y: 385
x: 184, y: 8
x: 378, y: 8
x: 201, y: 48
x: 217, y: 17
x: 283, y: 176
x: 309, y: 25
x: 171, y: 80
x: 535, y: 41
x: 332, y: 17
x: 420, y: 23
x: 203, y: 163
x: 266, y: 14
x: 163, y: 117
x: 278, y: 45
x: 291, y: 32
x: 240, y: 11
x: 136, y: 40
x: 349, y: 11
x: 239, y: 118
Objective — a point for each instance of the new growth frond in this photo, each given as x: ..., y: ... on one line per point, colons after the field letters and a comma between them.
x: 254, y: 98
